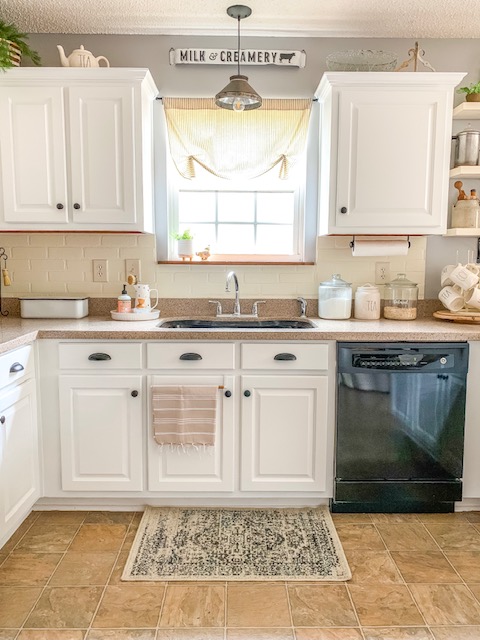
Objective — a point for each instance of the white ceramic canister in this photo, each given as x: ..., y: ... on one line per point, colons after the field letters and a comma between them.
x: 367, y: 302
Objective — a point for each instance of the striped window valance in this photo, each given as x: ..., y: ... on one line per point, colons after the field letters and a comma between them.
x: 236, y: 145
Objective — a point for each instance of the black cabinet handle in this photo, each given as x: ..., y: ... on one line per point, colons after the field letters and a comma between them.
x: 247, y: 393
x: 16, y: 366
x: 285, y: 356
x: 76, y: 205
x: 134, y: 393
x: 59, y: 205
x: 2, y: 419
x: 99, y: 356
x: 190, y: 356
x: 228, y: 394
x: 343, y: 210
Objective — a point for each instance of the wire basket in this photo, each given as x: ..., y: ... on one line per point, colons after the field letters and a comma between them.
x: 362, y: 60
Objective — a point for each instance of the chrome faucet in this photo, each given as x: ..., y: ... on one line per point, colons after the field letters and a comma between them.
x: 232, y: 275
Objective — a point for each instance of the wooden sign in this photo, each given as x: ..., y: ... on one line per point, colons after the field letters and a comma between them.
x: 282, y: 58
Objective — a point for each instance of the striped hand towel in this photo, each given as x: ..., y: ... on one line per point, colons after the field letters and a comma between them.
x: 184, y: 415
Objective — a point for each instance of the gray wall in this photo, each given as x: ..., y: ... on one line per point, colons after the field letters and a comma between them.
x: 206, y: 80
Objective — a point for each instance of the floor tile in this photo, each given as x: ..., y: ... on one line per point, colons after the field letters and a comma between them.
x: 48, y: 538
x: 28, y: 569
x: 61, y: 517
x: 109, y: 517
x: 60, y: 607
x: 129, y: 538
x: 99, y: 538
x: 385, y: 605
x: 456, y: 633
x: 15, y: 604
x: 191, y: 634
x: 321, y: 606
x: 3, y: 557
x: 359, y: 536
x: 129, y: 606
x: 475, y: 589
x: 52, y: 634
x: 121, y: 634
x: 394, y: 518
x: 257, y: 605
x: 259, y: 634
x: 397, y: 633
x: 8, y: 634
x: 426, y: 566
x: 458, y: 516
x: 406, y: 537
x: 83, y: 569
x: 16, y: 537
x: 446, y: 604
x: 472, y: 516
x: 456, y: 536
x: 467, y: 563
x: 193, y: 606
x: 351, y: 518
x: 373, y: 567
x: 328, y: 634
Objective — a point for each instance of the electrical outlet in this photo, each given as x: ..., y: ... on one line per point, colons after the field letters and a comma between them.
x: 132, y: 268
x: 100, y: 271
x: 382, y: 272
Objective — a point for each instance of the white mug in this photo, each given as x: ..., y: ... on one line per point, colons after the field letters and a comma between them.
x: 464, y: 277
x: 143, y: 298
x: 472, y: 297
x: 445, y: 275
x: 452, y: 298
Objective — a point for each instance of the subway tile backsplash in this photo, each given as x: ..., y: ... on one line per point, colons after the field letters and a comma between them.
x: 55, y: 263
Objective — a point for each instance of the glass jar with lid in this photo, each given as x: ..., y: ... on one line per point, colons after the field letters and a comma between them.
x: 401, y: 297
x: 335, y: 299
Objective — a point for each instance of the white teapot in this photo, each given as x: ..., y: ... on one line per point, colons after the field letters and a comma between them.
x: 80, y: 58
x: 143, y: 302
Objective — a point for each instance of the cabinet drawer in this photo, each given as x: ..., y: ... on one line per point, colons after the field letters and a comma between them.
x: 191, y: 355
x: 100, y: 356
x: 284, y: 356
x: 15, y: 365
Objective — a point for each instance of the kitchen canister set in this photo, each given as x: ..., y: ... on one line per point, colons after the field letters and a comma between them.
x: 460, y: 287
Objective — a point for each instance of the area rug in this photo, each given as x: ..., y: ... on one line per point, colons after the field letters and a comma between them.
x: 236, y: 544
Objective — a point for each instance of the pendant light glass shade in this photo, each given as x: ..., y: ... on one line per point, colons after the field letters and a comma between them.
x: 238, y: 95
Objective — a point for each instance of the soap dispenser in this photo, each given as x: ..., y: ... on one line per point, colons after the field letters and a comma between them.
x: 124, y: 304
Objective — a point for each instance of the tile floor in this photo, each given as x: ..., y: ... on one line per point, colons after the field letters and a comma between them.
x: 415, y: 577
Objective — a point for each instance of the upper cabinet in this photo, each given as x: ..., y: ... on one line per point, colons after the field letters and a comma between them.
x: 385, y: 152
x: 76, y: 149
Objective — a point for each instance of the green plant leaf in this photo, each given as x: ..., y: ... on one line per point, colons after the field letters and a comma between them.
x: 10, y: 33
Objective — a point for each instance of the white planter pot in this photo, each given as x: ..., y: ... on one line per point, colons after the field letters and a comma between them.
x: 185, y: 249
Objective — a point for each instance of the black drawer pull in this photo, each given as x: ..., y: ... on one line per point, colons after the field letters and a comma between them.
x: 285, y: 356
x: 59, y: 205
x: 16, y: 367
x: 99, y: 356
x: 190, y: 356
x: 228, y: 394
x: 134, y: 393
x: 2, y: 419
x: 343, y: 210
x: 247, y: 393
x: 76, y: 205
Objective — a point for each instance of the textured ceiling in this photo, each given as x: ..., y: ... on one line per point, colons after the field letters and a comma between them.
x: 334, y: 18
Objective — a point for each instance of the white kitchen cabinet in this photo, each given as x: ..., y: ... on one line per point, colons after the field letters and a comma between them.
x: 101, y: 432
x: 385, y: 152
x: 76, y: 149
x: 19, y: 444
x: 194, y: 469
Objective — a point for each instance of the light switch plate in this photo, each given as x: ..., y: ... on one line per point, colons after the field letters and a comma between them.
x: 100, y: 270
x: 382, y: 272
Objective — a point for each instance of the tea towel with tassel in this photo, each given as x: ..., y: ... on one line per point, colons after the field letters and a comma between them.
x: 184, y: 415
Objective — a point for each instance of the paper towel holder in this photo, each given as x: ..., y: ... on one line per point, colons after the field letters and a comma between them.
x: 352, y: 242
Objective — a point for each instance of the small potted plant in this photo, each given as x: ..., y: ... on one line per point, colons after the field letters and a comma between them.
x: 13, y: 46
x: 185, y: 244
x: 472, y: 92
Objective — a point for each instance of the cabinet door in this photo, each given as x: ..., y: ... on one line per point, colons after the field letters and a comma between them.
x: 284, y: 433
x: 193, y: 470
x: 392, y: 165
x: 32, y: 155
x: 19, y: 454
x: 101, y: 432
x: 102, y: 152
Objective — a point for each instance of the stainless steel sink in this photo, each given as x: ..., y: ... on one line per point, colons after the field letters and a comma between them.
x: 235, y: 323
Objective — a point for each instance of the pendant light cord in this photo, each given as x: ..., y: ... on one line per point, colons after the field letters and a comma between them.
x: 238, y: 47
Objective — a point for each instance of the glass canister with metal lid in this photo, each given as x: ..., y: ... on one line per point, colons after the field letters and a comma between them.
x: 335, y: 299
x: 401, y: 297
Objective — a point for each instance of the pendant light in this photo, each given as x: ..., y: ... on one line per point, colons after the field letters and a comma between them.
x: 238, y: 95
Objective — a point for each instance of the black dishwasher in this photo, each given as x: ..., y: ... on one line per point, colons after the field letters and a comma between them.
x: 400, y: 424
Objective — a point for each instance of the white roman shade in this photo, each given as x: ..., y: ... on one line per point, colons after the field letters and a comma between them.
x: 236, y: 145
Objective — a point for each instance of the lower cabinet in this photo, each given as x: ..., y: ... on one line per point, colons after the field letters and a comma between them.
x: 101, y: 432
x: 284, y: 433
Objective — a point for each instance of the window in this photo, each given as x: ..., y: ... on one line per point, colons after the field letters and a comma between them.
x: 262, y: 219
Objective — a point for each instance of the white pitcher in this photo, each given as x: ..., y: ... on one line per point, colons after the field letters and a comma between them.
x: 143, y: 302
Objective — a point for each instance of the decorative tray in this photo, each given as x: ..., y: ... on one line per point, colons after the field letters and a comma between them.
x: 132, y: 317
x: 465, y: 315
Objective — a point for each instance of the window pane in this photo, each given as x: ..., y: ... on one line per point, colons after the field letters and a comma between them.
x: 196, y: 206
x: 275, y: 239
x: 236, y: 207
x: 236, y: 238
x: 203, y: 236
x: 275, y: 207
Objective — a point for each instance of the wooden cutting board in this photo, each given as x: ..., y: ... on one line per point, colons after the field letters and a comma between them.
x: 464, y: 316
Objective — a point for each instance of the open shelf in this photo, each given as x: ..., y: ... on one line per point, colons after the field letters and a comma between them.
x: 465, y: 172
x: 467, y: 111
x: 459, y: 232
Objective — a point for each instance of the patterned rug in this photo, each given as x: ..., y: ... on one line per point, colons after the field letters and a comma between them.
x: 236, y: 544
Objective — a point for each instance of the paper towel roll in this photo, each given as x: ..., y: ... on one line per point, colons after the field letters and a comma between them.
x: 380, y: 247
